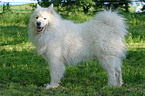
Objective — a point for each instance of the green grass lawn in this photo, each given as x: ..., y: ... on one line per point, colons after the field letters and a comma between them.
x: 24, y: 73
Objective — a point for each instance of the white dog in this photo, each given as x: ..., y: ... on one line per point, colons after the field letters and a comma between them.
x: 63, y: 42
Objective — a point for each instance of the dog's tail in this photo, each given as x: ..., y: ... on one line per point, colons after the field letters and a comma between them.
x: 114, y: 20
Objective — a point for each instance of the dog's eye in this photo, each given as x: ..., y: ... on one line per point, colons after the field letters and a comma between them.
x: 45, y: 18
x: 37, y: 17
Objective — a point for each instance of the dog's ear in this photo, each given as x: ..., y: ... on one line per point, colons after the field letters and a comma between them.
x: 51, y: 9
x: 38, y: 6
x: 51, y: 6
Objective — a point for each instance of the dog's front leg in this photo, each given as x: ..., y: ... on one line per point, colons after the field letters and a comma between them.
x: 57, y: 69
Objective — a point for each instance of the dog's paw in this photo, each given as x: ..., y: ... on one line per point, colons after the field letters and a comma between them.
x: 48, y: 86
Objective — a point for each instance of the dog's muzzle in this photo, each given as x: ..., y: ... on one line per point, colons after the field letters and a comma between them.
x: 38, y: 28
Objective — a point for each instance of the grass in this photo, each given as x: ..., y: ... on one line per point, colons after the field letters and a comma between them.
x: 23, y: 72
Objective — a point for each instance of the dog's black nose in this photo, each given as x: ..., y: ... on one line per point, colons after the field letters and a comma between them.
x: 38, y: 23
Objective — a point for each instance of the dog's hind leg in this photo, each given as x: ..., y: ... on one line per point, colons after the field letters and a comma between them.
x: 109, y: 65
x: 118, y: 76
x: 57, y: 69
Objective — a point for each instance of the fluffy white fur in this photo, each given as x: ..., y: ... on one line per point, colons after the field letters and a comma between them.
x: 65, y: 42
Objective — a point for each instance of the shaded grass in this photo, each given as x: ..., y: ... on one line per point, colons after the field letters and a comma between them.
x: 136, y: 28
x: 24, y: 73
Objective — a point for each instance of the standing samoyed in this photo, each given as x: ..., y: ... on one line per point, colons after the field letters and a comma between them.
x: 62, y: 41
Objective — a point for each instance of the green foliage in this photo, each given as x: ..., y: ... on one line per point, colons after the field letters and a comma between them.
x: 24, y: 73
x: 85, y: 4
x: 6, y: 7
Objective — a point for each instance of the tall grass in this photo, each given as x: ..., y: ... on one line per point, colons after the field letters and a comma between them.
x: 24, y: 73
x: 14, y: 19
x: 19, y: 15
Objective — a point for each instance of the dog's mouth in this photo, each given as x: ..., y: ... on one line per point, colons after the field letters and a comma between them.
x: 39, y: 29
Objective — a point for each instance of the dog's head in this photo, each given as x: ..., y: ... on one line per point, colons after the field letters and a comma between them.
x: 42, y: 17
